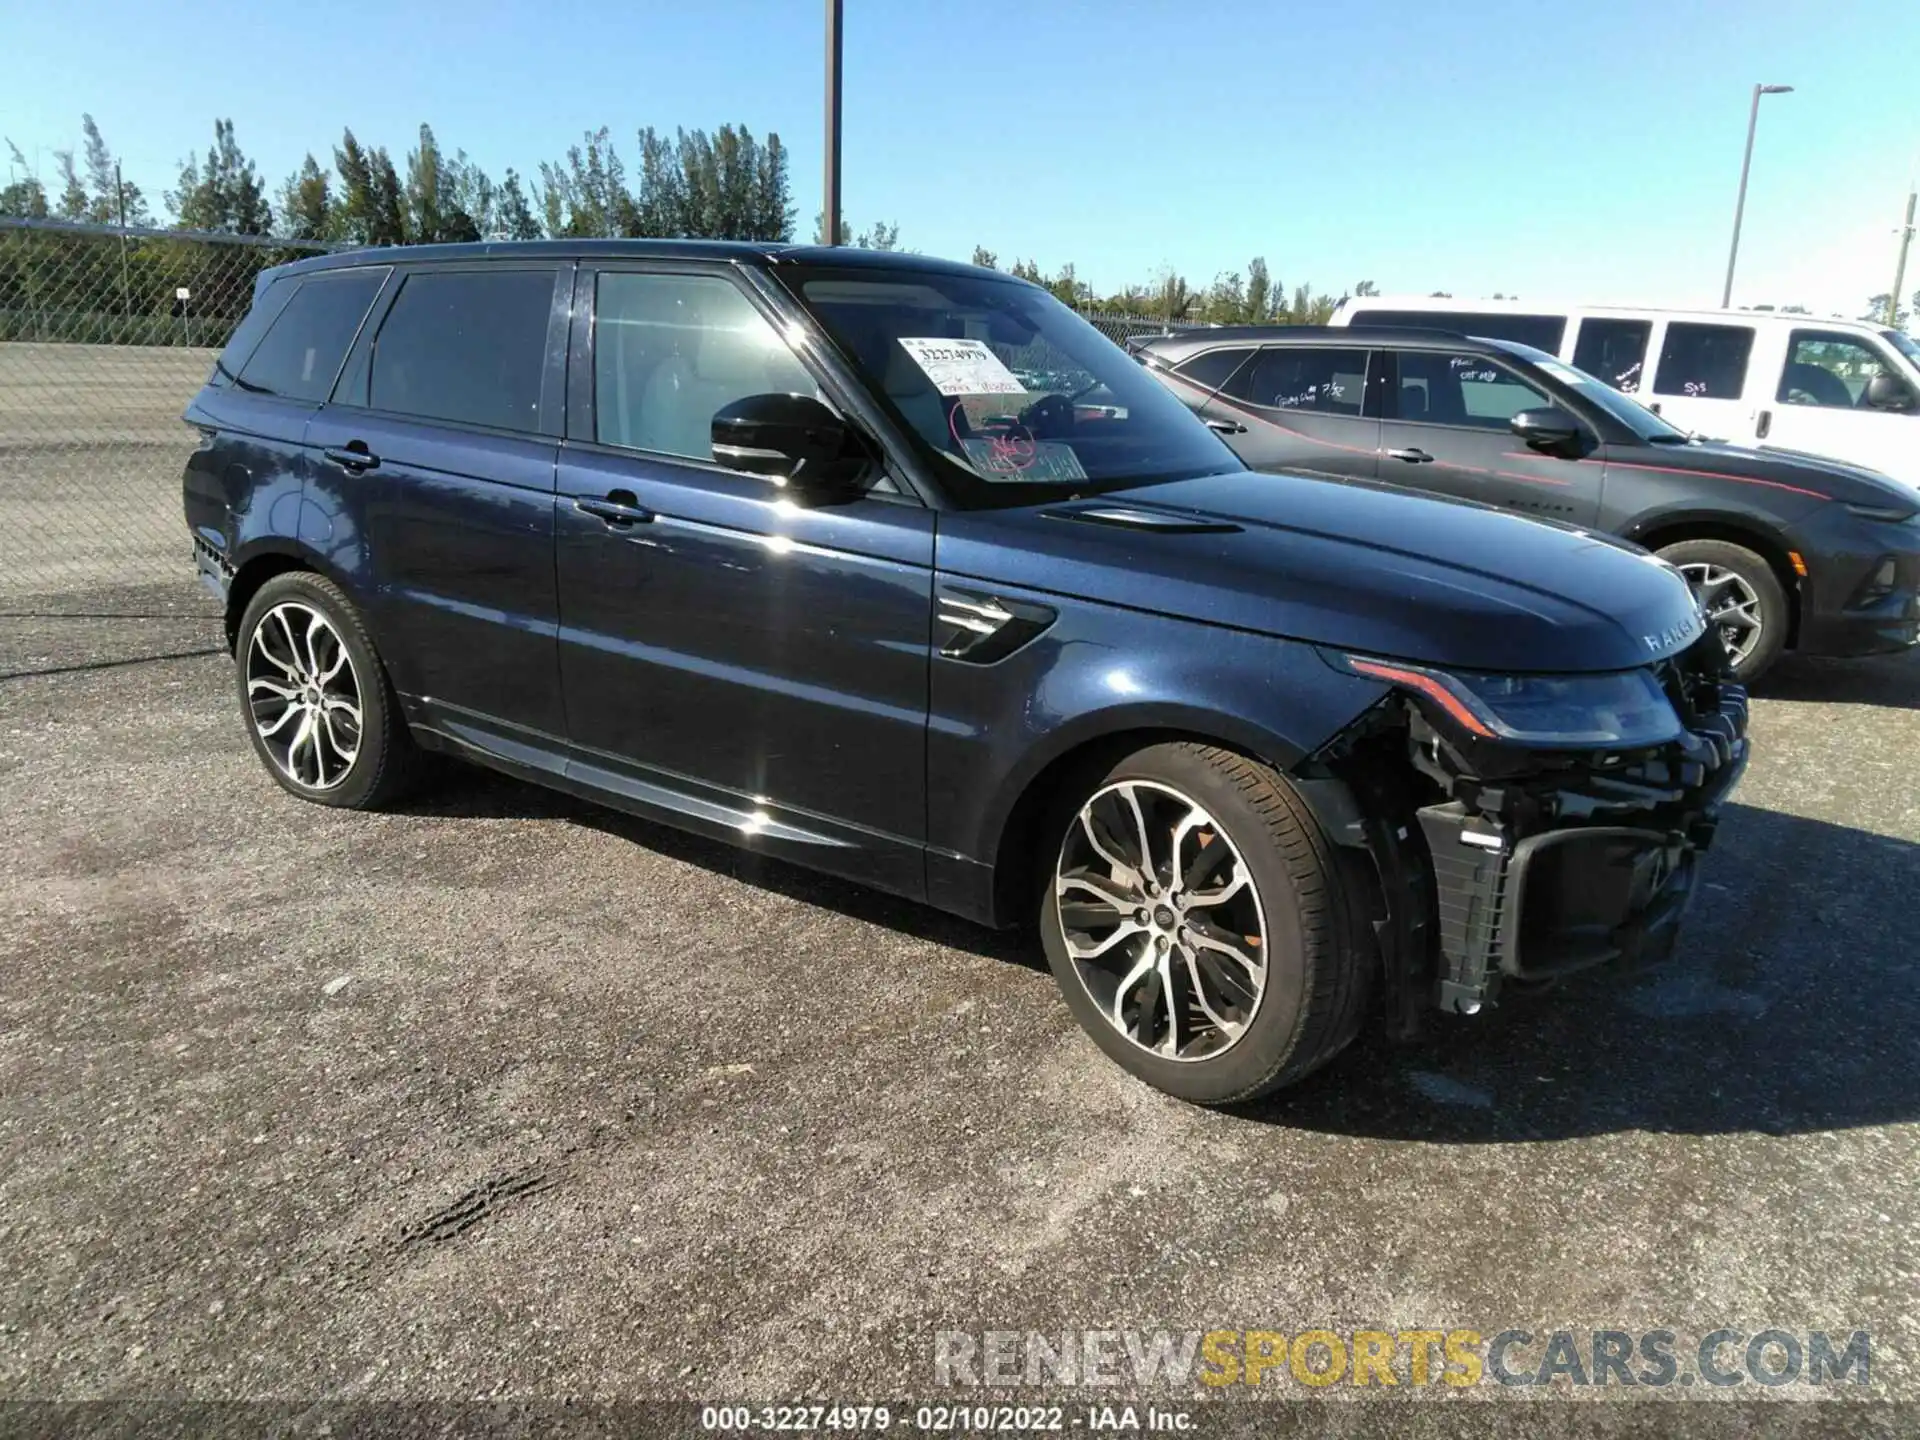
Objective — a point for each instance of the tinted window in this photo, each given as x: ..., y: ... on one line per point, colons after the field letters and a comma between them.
x: 1327, y: 379
x: 265, y: 310
x: 1827, y: 370
x: 1613, y: 350
x: 1708, y: 362
x: 1211, y: 369
x: 670, y: 350
x: 465, y: 346
x: 1543, y: 332
x: 301, y: 353
x: 1442, y: 389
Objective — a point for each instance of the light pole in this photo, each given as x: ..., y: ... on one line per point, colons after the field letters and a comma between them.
x: 1740, y: 205
x: 830, y: 217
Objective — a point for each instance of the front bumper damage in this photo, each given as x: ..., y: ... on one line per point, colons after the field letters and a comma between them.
x: 1498, y: 865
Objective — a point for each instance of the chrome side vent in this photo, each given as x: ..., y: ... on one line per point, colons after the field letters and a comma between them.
x: 981, y: 628
x: 1161, y: 522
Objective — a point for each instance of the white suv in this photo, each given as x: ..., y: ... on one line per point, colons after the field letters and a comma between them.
x: 1838, y: 388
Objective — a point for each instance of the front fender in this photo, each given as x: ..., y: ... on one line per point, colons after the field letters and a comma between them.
x: 1099, y: 671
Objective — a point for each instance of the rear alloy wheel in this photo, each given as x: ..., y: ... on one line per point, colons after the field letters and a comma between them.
x: 1740, y: 596
x: 1196, y: 923
x: 320, y: 711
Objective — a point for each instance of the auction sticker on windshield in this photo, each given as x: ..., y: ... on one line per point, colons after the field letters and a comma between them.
x: 962, y: 367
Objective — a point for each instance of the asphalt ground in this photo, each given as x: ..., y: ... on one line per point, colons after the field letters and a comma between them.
x: 504, y: 1095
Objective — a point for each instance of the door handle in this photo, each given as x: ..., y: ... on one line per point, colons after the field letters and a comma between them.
x: 1410, y: 455
x: 354, y: 457
x: 1226, y: 427
x: 620, y: 509
x: 1765, y: 424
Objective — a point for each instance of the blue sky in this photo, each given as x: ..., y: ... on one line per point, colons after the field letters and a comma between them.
x: 1583, y: 151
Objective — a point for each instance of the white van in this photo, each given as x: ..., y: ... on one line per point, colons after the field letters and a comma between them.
x: 1838, y: 388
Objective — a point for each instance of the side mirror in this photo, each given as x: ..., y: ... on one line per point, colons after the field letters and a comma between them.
x: 1550, y: 428
x: 792, y: 439
x: 1888, y: 392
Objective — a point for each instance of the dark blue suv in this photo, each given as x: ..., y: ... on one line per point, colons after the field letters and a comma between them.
x: 898, y: 569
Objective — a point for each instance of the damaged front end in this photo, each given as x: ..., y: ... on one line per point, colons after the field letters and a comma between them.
x: 1522, y: 828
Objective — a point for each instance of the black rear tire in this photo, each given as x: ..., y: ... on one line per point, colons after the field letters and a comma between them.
x: 360, y: 766
x: 1318, y: 970
x: 1769, y: 598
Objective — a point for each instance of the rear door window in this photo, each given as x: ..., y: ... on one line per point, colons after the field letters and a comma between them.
x: 1209, y: 371
x: 1542, y: 332
x: 1437, y: 388
x: 1707, y: 362
x: 1614, y: 351
x: 299, y: 358
x: 467, y: 347
x: 1331, y: 380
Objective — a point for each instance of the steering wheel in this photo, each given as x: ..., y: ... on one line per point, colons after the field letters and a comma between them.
x: 1049, y: 415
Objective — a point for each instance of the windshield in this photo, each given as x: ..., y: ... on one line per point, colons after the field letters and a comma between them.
x: 1624, y: 408
x: 1017, y: 398
x: 1904, y: 343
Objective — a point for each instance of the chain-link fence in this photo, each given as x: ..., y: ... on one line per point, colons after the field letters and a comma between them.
x: 1121, y: 328
x: 105, y: 334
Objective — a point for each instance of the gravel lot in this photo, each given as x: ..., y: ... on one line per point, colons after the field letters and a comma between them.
x: 507, y: 1095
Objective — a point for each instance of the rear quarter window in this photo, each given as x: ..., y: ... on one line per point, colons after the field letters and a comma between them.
x: 300, y: 356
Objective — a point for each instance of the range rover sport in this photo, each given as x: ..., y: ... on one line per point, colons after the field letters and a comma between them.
x: 898, y: 569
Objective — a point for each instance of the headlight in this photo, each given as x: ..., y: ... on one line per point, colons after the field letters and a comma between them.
x: 1624, y: 709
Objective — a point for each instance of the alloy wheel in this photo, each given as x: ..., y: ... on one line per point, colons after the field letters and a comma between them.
x: 1162, y: 920
x: 1728, y: 602
x: 303, y: 696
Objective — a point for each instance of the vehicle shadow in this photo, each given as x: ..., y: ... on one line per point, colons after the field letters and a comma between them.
x: 470, y: 792
x: 1892, y: 681
x: 1791, y: 1007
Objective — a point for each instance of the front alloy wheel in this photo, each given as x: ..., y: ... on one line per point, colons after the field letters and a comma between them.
x: 1729, y: 604
x: 1741, y: 598
x: 303, y: 696
x: 1162, y: 920
x: 1200, y: 925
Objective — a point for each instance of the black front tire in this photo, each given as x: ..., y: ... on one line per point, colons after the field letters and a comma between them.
x: 1318, y: 971
x: 375, y: 760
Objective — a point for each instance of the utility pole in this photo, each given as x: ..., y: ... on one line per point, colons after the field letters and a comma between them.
x: 126, y: 290
x: 830, y: 222
x: 1740, y: 205
x: 1900, y: 266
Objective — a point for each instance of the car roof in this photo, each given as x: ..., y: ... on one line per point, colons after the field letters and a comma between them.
x: 1179, y: 346
x: 766, y: 254
x: 1446, y: 305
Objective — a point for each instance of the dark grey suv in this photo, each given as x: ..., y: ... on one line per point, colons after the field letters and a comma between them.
x: 1784, y: 550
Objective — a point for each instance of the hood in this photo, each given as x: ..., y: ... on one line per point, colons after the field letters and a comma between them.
x: 1794, y: 475
x: 1363, y: 569
x: 1838, y: 479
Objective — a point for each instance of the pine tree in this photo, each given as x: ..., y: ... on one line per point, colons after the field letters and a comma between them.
x: 306, y: 203
x: 516, y: 217
x: 986, y: 257
x: 25, y: 197
x: 386, y: 201
x: 424, y: 203
x: 353, y: 216
x: 224, y: 195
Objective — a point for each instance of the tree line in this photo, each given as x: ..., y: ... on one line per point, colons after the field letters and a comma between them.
x: 728, y: 184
